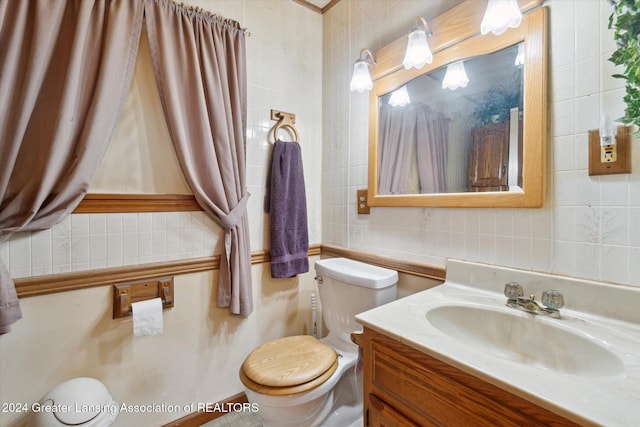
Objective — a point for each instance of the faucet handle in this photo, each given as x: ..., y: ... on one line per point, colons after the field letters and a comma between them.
x: 513, y: 290
x: 552, y: 299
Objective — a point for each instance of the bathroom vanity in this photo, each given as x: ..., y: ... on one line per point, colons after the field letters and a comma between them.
x: 457, y: 355
x: 406, y: 387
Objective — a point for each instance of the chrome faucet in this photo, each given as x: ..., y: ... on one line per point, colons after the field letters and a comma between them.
x: 551, y: 299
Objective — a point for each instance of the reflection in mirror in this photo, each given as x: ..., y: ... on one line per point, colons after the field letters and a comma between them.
x: 436, y: 140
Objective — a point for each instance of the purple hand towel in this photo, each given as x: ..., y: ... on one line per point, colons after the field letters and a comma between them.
x: 287, y: 203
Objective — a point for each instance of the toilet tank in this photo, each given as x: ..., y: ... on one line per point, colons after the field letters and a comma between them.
x: 347, y: 288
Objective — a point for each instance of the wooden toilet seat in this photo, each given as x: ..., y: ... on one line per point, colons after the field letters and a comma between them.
x: 288, y: 365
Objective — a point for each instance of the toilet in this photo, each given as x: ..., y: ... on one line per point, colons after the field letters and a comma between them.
x: 302, y: 381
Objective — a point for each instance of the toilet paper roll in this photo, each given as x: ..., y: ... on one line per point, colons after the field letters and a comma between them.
x: 147, y: 317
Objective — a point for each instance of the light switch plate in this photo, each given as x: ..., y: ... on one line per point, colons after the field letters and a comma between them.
x: 361, y: 200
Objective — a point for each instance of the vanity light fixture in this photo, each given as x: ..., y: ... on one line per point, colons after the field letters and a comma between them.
x: 361, y: 79
x: 520, y: 55
x: 418, y: 52
x: 455, y: 77
x: 500, y: 15
x: 399, y: 97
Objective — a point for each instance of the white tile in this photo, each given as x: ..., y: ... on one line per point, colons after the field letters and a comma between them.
x: 587, y: 190
x: 522, y: 224
x: 97, y: 224
x: 129, y: 222
x: 587, y: 260
x: 564, y: 258
x: 158, y: 221
x: 613, y: 225
x: 587, y: 113
x: 562, y: 32
x: 130, y: 248
x: 614, y: 264
x: 634, y: 226
x: 587, y: 28
x: 97, y: 248
x: 565, y: 188
x: 41, y: 260
x: 79, y: 251
x: 61, y: 251
x: 145, y: 246
x: 588, y: 224
x: 581, y: 143
x: 115, y: 252
x: 159, y: 243
x: 614, y: 190
x: 63, y: 228
x: 522, y: 251
x: 20, y: 252
x: 542, y: 224
x: 541, y: 255
x: 487, y: 249
x: 634, y: 266
x: 563, y: 83
x: 173, y: 221
x: 145, y: 222
x: 588, y: 76
x: 80, y: 224
x: 114, y: 223
x: 564, y: 221
x: 563, y: 118
x: 504, y: 250
x: 564, y: 153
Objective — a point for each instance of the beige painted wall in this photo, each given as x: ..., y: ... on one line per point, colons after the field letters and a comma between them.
x: 195, y: 360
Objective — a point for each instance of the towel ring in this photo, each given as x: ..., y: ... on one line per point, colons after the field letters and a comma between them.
x: 284, y: 120
x: 291, y: 128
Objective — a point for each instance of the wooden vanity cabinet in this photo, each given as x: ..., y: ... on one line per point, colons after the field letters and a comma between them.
x: 405, y: 387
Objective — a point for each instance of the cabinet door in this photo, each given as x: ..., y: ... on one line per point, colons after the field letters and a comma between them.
x: 383, y: 415
x: 489, y: 158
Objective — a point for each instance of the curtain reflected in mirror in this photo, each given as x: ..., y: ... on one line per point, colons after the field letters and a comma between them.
x: 413, y: 148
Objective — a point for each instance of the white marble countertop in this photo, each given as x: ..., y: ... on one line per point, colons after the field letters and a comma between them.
x: 609, y: 315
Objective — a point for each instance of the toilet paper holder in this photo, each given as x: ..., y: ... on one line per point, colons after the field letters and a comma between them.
x: 125, y: 294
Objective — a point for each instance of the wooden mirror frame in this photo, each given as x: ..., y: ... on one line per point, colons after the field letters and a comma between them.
x: 459, y: 38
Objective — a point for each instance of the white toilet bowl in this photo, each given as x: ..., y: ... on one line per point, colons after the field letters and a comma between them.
x: 294, y: 380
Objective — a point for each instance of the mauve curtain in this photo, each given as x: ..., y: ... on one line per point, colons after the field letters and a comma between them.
x: 397, y: 146
x: 65, y: 67
x: 199, y: 63
x: 412, y: 133
x: 431, y: 146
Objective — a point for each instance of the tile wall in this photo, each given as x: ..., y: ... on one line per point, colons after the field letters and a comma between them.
x: 589, y: 226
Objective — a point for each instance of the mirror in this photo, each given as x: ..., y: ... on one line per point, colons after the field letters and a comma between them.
x: 480, y: 145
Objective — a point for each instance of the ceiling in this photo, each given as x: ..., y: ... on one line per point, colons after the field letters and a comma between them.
x: 319, y: 3
x: 431, y: 8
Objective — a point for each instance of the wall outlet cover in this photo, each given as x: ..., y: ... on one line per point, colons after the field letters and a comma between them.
x: 604, y: 161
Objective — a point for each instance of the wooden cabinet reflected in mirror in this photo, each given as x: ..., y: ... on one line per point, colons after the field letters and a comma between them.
x: 481, y: 145
x: 495, y: 157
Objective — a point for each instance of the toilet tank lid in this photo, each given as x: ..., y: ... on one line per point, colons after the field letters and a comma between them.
x: 357, y: 273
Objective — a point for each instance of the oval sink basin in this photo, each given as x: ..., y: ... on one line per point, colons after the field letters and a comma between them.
x: 525, y: 339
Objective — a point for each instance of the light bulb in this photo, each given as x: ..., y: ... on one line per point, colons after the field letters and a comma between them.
x: 455, y: 77
x: 361, y: 79
x: 500, y: 15
x: 418, y: 53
